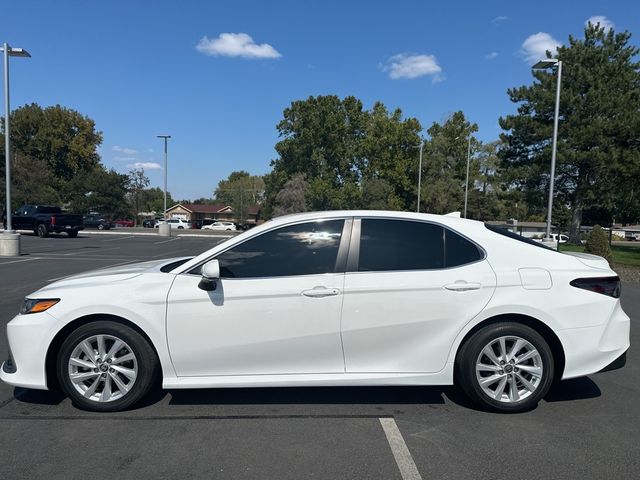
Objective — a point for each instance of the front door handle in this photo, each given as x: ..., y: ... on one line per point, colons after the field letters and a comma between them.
x: 462, y: 286
x: 320, y: 292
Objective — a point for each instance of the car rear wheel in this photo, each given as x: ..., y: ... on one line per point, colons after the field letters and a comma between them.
x: 72, y: 233
x: 506, y: 367
x: 105, y: 366
x: 42, y: 231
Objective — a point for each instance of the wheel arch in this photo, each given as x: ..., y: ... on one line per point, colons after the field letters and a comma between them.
x: 55, y: 344
x: 542, y: 328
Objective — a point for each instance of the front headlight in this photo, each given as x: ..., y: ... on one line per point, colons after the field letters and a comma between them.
x: 35, y: 305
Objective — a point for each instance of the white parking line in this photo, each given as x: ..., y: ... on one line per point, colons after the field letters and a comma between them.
x: 165, y: 241
x: 20, y: 261
x: 404, y: 460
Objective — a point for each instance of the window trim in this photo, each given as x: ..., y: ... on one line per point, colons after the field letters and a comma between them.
x: 341, y: 258
x: 354, y: 250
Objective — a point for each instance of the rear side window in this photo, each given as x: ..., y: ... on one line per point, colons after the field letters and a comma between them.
x: 400, y: 245
x: 387, y: 245
x: 459, y: 250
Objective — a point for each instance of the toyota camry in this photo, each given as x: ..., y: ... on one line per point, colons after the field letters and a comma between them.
x: 328, y: 299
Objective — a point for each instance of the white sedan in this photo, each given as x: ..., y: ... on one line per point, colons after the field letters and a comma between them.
x: 176, y: 223
x: 325, y: 299
x: 220, y: 226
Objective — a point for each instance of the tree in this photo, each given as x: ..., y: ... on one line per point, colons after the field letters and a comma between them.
x: 99, y: 190
x: 240, y: 190
x: 291, y: 199
x: 598, y: 244
x: 341, y: 149
x: 444, y: 165
x: 598, y: 159
x: 152, y: 200
x: 138, y: 181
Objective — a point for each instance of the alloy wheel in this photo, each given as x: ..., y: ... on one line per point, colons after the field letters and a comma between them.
x: 103, y: 368
x: 509, y: 369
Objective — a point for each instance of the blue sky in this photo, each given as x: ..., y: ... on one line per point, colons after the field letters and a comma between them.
x: 144, y: 68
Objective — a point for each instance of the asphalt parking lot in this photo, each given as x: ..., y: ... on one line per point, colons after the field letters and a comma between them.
x: 586, y: 428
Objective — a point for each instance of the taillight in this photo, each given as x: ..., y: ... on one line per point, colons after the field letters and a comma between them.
x: 609, y: 286
x: 53, y: 220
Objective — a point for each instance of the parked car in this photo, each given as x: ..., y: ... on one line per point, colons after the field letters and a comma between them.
x: 123, y: 223
x: 329, y: 298
x: 632, y: 236
x: 45, y: 219
x: 149, y: 223
x: 220, y: 226
x: 176, y: 223
x: 96, y: 220
x: 561, y: 238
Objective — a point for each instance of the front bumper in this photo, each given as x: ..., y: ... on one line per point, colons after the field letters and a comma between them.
x: 590, y: 350
x: 29, y: 339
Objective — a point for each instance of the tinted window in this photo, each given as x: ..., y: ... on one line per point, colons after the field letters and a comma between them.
x: 303, y: 249
x: 40, y: 209
x: 400, y: 245
x: 515, y: 236
x: 459, y: 250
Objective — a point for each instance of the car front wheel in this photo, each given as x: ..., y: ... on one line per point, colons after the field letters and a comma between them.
x: 505, y: 367
x: 105, y: 366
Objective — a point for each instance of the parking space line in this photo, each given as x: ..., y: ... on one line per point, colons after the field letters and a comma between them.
x: 20, y: 261
x: 401, y: 453
x: 166, y: 241
x: 119, y: 238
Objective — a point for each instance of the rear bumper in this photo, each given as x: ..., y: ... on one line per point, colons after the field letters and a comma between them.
x: 591, y: 350
x: 619, y: 362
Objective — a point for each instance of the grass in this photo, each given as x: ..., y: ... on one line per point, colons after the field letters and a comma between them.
x: 624, y: 255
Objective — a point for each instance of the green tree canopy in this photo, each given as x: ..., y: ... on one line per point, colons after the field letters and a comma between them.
x: 598, y: 160
x: 240, y: 190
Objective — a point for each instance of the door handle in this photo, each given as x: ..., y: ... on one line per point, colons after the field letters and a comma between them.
x: 462, y: 286
x: 320, y: 292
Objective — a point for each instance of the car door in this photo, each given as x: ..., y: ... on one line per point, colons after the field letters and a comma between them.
x: 24, y: 218
x: 410, y: 287
x: 275, y: 310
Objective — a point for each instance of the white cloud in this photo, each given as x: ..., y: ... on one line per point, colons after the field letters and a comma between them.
x: 236, y: 45
x: 535, y: 46
x: 491, y: 56
x: 124, y: 159
x: 602, y: 20
x: 413, y: 66
x: 145, y: 166
x: 125, y: 150
x: 499, y: 19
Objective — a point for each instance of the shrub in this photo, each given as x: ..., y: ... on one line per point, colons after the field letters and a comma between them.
x: 598, y: 243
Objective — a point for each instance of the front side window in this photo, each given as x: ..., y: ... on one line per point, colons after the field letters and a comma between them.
x: 303, y: 249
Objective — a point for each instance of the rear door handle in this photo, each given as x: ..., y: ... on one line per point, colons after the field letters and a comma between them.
x: 320, y: 292
x: 462, y: 286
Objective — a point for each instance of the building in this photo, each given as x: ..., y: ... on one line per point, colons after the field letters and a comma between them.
x: 199, y: 214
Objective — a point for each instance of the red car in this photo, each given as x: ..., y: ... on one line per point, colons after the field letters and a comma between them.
x: 123, y: 223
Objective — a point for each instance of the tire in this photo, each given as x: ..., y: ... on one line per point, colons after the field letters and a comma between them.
x: 180, y: 228
x: 41, y: 231
x: 72, y: 233
x: 532, y: 376
x: 139, y: 374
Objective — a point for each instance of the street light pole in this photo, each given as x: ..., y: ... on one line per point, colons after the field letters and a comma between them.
x: 10, y: 243
x: 466, y: 185
x: 543, y: 64
x: 164, y: 211
x: 420, y: 175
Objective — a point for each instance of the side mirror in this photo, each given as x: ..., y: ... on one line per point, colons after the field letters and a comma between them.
x: 210, y: 276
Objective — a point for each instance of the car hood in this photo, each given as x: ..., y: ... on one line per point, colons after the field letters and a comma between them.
x: 108, y: 275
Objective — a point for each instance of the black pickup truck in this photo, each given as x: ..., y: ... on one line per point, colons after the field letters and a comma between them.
x: 44, y: 219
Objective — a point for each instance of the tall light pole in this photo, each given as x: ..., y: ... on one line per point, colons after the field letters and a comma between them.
x: 10, y: 243
x: 165, y: 137
x: 543, y: 65
x: 420, y: 175
x: 466, y: 185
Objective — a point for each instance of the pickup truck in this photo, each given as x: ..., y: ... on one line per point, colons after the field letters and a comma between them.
x: 44, y: 219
